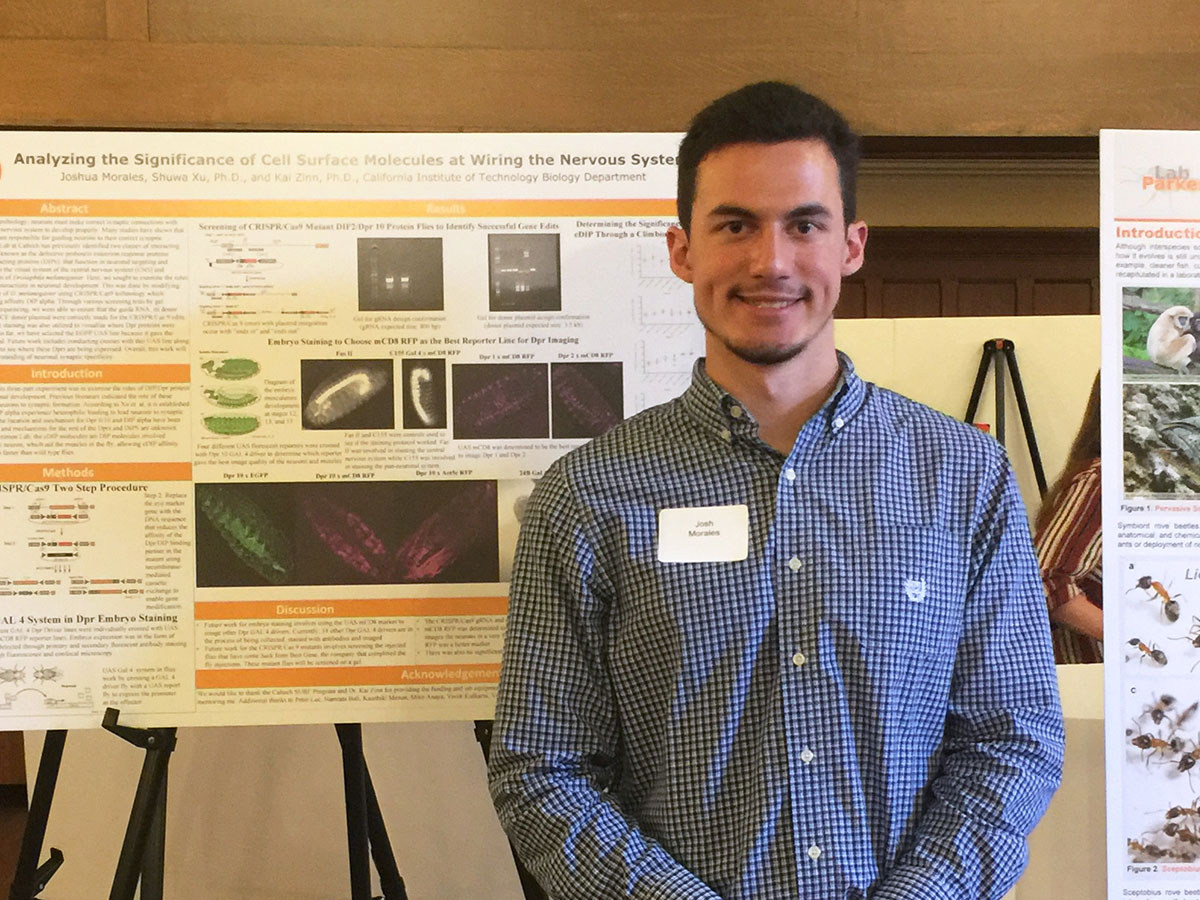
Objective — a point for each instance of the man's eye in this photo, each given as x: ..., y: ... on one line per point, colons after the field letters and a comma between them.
x: 734, y: 227
x: 806, y: 227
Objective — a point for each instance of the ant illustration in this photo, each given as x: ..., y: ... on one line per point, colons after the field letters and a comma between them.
x: 1185, y: 834
x: 1180, y: 832
x: 1148, y: 650
x: 1193, y: 637
x: 1158, y: 710
x: 1188, y: 761
x: 1170, y: 606
x: 1179, y: 825
x: 1145, y: 851
x: 1158, y: 745
x: 1176, y: 811
x: 1185, y: 715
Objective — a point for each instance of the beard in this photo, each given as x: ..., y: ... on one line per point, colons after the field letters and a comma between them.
x: 762, y: 355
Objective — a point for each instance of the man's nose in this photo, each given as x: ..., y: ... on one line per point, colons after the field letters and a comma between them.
x: 770, y: 253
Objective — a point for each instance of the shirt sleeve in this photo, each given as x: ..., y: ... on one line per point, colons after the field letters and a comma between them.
x: 1069, y: 545
x: 1002, y: 751
x: 556, y: 738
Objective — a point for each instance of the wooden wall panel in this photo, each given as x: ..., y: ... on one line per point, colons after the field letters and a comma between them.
x: 932, y: 272
x: 987, y: 298
x: 902, y: 299
x: 53, y: 19
x: 978, y: 194
x: 12, y: 758
x: 342, y: 88
x: 932, y: 67
x: 653, y: 28
x: 127, y: 20
x: 1075, y: 66
x: 852, y: 302
x: 1064, y: 298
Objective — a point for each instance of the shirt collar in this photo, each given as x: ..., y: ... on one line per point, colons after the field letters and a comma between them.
x: 717, y: 410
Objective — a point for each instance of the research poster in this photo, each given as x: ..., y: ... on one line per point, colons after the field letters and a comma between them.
x: 1150, y: 273
x: 271, y: 406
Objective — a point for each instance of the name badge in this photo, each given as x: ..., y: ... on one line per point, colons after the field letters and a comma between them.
x: 704, y: 534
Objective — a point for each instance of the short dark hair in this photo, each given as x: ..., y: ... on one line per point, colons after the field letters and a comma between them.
x: 767, y: 112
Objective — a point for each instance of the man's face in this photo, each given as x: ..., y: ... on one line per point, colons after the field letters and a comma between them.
x: 767, y: 250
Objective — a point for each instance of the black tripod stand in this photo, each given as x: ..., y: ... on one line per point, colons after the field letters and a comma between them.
x: 365, y: 830
x: 143, y: 851
x: 30, y: 879
x: 1000, y: 350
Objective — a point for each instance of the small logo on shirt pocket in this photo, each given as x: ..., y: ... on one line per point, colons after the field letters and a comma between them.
x: 914, y: 589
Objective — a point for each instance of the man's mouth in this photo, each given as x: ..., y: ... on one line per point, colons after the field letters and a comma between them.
x: 769, y: 301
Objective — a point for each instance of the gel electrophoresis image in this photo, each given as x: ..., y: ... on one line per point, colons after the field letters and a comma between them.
x: 500, y: 400
x: 400, y: 274
x: 523, y: 273
x: 346, y: 394
x: 360, y: 532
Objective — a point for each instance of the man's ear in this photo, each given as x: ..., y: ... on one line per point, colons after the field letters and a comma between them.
x: 677, y: 250
x: 856, y: 242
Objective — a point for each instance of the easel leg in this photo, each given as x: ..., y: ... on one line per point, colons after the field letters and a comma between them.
x: 146, y: 831
x: 155, y: 854
x: 985, y: 360
x: 1035, y: 455
x: 381, y: 848
x: 29, y: 879
x: 366, y: 834
x: 357, y: 833
x: 998, y: 384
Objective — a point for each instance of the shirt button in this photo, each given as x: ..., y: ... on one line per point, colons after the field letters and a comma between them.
x: 735, y: 411
x: 814, y: 852
x: 838, y: 423
x: 726, y: 434
x: 807, y: 756
x: 794, y: 564
x: 789, y: 474
x: 799, y: 659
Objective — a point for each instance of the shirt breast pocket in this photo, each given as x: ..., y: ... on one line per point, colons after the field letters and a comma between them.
x: 899, y: 600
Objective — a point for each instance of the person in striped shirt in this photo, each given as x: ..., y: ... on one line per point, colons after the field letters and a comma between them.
x: 1068, y: 543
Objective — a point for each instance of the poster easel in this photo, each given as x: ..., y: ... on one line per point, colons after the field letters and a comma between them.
x: 142, y: 854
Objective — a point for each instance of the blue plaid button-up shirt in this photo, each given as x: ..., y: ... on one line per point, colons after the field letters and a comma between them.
x: 866, y: 705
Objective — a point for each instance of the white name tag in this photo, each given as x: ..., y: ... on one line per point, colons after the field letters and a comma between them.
x: 704, y: 534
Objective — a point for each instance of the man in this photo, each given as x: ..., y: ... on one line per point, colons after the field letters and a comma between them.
x: 783, y: 637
